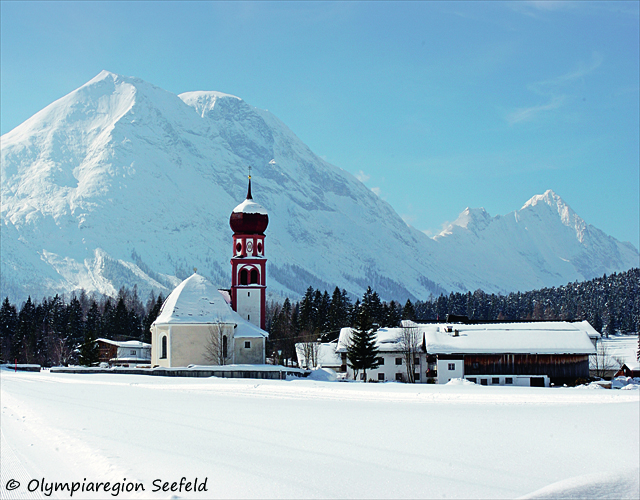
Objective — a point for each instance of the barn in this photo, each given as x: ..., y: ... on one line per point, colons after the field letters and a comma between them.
x: 532, y: 354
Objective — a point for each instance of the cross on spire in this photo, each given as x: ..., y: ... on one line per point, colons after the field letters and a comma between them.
x: 249, y: 189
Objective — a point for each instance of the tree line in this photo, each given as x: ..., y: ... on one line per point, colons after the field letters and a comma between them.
x: 56, y: 332
x: 611, y: 304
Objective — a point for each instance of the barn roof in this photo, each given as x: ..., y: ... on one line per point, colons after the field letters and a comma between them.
x: 556, y: 337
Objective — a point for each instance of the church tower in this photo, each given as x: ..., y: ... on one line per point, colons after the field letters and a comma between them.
x: 248, y: 264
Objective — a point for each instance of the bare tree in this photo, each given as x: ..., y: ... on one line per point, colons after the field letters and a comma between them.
x: 217, y: 350
x: 409, y: 344
x: 60, y: 352
x: 601, y: 361
x: 310, y: 352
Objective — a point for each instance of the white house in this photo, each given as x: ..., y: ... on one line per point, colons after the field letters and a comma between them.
x: 488, y: 354
x: 196, y: 326
x: 124, y: 353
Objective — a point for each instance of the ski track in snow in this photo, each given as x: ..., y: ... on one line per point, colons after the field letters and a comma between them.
x: 299, y: 438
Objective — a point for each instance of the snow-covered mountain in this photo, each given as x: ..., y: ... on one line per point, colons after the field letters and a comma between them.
x: 545, y: 243
x: 123, y: 183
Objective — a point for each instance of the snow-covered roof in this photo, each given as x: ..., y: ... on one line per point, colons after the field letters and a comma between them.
x: 489, y: 339
x: 197, y: 301
x: 131, y: 344
x: 387, y: 339
x: 633, y: 365
x: 512, y: 338
x: 249, y: 206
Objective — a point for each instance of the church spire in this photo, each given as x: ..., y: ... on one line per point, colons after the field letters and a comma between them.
x: 249, y: 190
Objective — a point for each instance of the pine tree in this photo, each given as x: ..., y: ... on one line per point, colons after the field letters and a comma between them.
x: 8, y: 326
x: 362, y: 351
x: 153, y: 311
x: 89, y: 352
x: 75, y: 323
x: 24, y: 343
x: 408, y: 312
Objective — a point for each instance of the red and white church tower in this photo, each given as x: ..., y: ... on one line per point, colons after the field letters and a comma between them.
x: 249, y: 265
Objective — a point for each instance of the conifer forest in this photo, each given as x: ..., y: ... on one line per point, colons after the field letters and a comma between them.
x: 61, y: 331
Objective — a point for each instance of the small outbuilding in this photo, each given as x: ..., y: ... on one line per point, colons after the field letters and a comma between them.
x: 629, y: 369
x: 123, y: 353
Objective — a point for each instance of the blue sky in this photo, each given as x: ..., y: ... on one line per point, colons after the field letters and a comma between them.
x: 436, y: 106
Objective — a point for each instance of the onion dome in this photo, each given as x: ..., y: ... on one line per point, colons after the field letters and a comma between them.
x: 249, y: 217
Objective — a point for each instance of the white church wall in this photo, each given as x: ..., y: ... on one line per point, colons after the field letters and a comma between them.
x: 187, y: 345
x: 156, y: 346
x: 249, y: 351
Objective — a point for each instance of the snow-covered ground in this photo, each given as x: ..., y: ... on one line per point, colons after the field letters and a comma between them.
x: 310, y: 439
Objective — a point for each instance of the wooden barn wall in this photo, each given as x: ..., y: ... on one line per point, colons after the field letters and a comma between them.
x: 552, y: 365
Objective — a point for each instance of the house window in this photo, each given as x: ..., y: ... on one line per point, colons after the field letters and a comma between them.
x: 416, y: 376
x: 398, y: 361
x: 362, y: 376
x: 380, y: 377
x: 399, y: 377
x: 254, y: 276
x: 452, y: 366
x: 247, y: 344
x: 248, y: 317
x: 132, y: 352
x: 508, y: 380
x: 483, y: 381
x: 224, y: 346
x: 380, y: 361
x: 416, y: 361
x: 470, y: 379
x: 248, y: 294
x: 163, y: 348
x: 495, y: 380
x: 243, y: 277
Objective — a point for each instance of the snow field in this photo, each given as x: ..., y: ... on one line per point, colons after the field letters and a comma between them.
x: 303, y: 438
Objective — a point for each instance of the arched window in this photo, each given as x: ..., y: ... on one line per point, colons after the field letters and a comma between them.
x: 163, y: 348
x: 254, y: 276
x: 243, y: 277
x: 224, y: 346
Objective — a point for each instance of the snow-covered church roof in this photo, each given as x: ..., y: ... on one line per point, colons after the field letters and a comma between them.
x: 197, y: 301
x: 250, y: 207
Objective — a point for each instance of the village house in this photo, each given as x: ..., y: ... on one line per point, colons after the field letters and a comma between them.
x: 532, y: 354
x: 123, y: 353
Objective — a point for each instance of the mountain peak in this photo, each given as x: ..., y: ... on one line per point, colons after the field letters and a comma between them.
x: 549, y: 197
x: 567, y: 215
x: 473, y: 219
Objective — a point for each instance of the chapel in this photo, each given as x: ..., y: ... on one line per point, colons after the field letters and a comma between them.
x: 201, y: 325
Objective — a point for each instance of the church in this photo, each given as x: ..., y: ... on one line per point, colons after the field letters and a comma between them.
x: 201, y: 325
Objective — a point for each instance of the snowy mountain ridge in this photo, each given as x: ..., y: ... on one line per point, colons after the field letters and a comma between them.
x: 121, y: 183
